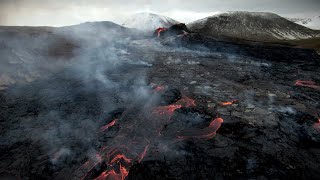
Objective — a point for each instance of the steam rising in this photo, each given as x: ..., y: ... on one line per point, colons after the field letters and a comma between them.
x: 99, y: 104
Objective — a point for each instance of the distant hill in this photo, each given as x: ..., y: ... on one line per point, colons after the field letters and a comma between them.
x: 310, y: 22
x: 98, y: 30
x: 148, y: 21
x: 257, y: 26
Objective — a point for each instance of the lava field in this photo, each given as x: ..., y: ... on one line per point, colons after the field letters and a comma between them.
x: 182, y: 107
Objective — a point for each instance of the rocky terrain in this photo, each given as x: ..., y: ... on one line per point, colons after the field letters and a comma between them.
x: 109, y: 103
x: 257, y: 26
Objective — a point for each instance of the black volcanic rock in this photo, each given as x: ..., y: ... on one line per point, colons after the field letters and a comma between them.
x: 99, y: 113
x: 271, y: 52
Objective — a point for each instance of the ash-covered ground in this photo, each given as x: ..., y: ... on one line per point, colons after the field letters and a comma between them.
x: 184, y: 107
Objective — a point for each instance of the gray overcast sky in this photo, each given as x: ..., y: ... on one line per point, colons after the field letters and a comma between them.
x: 66, y: 12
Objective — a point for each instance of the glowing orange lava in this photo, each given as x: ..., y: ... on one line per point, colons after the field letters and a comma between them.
x: 119, y: 157
x: 112, y: 123
x: 310, y: 84
x: 167, y: 110
x: 216, y: 123
x: 206, y: 133
x: 117, y: 172
x: 124, y: 172
x: 316, y: 126
x: 112, y: 175
x: 228, y: 103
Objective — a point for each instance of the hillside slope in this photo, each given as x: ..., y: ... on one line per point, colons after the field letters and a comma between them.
x: 310, y: 22
x: 256, y: 26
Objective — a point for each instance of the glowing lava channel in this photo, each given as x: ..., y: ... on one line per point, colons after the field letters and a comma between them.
x: 206, y: 133
x: 117, y: 164
x: 169, y: 110
x: 228, y: 103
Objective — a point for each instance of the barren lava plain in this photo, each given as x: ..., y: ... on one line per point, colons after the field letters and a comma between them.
x: 183, y: 107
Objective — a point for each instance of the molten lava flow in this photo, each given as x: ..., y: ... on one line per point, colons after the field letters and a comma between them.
x: 119, y: 157
x: 117, y: 167
x: 316, y: 126
x: 124, y: 172
x: 143, y: 153
x: 159, y: 30
x: 206, y: 133
x: 112, y: 123
x: 167, y: 110
x: 309, y: 84
x: 112, y: 175
x: 186, y: 102
x: 216, y: 123
x: 228, y: 103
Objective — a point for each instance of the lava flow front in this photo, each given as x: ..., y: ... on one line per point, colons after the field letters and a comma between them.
x: 169, y: 110
x: 206, y: 133
x: 113, y: 165
x: 112, y: 175
x: 228, y: 103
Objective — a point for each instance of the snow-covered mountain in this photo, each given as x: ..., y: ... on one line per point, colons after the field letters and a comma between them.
x: 148, y: 21
x: 311, y: 22
x: 260, y: 26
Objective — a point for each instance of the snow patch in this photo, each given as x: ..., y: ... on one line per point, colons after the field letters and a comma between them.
x: 148, y: 21
x: 311, y: 22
